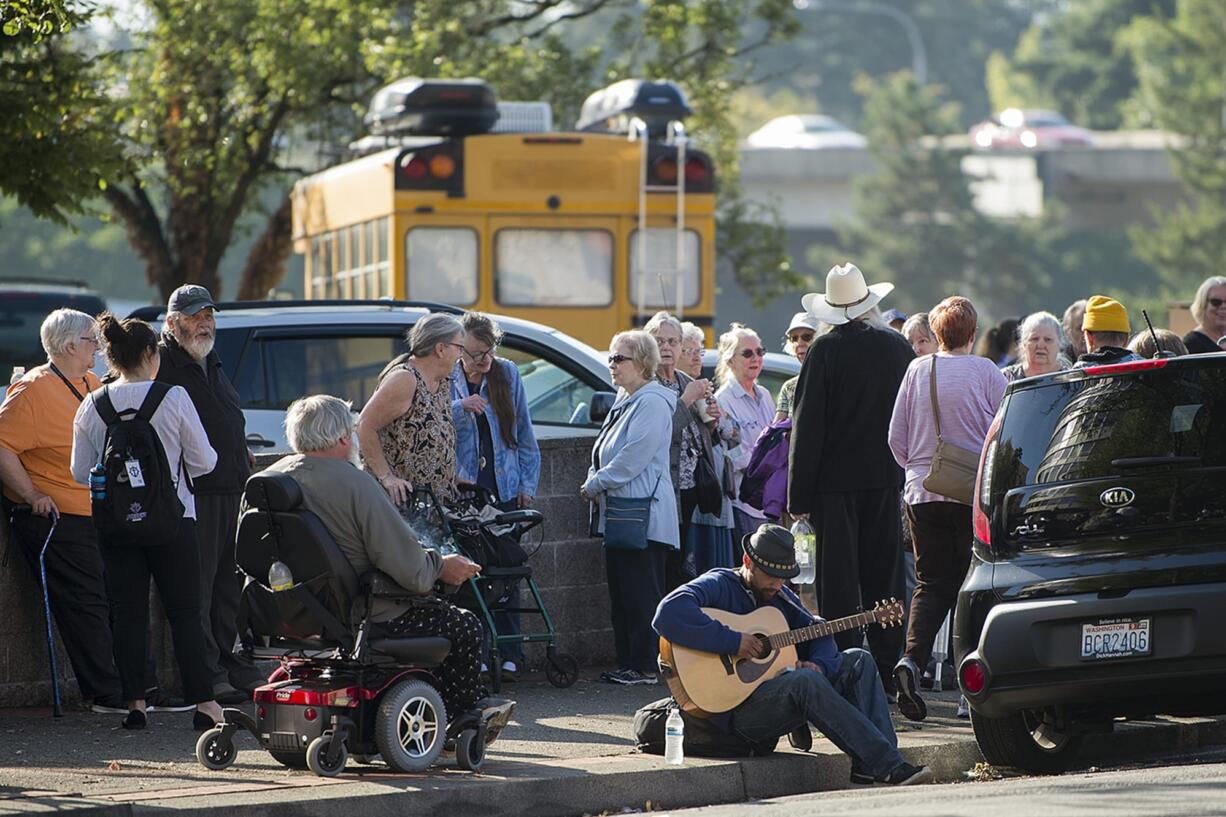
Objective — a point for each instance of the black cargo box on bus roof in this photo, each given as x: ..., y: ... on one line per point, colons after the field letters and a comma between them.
x: 433, y: 107
x: 657, y: 103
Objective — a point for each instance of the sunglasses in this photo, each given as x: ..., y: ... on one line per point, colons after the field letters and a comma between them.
x: 749, y: 353
x: 1216, y: 302
x: 799, y: 337
x: 616, y: 359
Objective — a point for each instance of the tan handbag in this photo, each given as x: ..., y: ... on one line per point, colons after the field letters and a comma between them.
x: 953, y: 469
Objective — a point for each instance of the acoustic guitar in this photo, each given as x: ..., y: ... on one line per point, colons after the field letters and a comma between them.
x: 704, y: 684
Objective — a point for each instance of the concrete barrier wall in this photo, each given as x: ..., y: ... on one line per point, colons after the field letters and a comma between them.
x: 568, y: 567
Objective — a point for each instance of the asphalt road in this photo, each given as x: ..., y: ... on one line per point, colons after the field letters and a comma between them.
x: 1187, y: 787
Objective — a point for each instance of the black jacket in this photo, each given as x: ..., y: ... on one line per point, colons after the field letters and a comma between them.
x: 841, y: 417
x: 216, y: 402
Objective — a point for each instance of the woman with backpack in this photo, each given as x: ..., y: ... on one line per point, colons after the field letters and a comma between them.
x: 137, y: 444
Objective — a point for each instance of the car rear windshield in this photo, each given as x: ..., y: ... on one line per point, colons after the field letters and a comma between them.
x: 21, y: 315
x: 1096, y: 427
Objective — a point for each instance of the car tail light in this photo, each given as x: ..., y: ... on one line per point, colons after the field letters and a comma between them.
x: 974, y: 676
x: 310, y: 714
x: 1131, y: 366
x: 981, y: 523
x: 260, y: 712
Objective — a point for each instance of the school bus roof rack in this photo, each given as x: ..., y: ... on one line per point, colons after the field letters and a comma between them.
x: 656, y: 103
x: 433, y: 107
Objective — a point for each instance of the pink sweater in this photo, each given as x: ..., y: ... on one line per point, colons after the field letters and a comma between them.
x: 969, y: 389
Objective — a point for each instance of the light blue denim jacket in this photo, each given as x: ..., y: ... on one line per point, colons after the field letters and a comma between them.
x: 518, y: 470
x: 633, y: 454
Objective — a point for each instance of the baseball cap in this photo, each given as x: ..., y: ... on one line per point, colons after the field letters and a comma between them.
x: 190, y: 299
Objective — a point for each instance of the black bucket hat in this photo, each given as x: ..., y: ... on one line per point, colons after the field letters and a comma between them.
x: 773, y: 549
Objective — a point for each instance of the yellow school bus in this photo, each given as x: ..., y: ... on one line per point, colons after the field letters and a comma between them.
x: 590, y: 231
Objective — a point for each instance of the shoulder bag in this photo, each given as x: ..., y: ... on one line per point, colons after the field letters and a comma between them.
x: 953, y: 469
x: 625, y: 518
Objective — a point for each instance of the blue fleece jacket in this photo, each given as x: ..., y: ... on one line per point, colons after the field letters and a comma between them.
x: 680, y: 619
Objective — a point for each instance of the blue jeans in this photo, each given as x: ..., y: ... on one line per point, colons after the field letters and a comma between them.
x: 848, y: 707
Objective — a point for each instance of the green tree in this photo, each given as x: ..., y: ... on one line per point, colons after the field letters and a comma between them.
x: 1182, y: 86
x: 1075, y: 59
x: 916, y: 222
x: 56, y: 137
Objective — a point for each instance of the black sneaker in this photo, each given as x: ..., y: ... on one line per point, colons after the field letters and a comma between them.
x: 158, y: 700
x: 801, y: 738
x: 109, y: 705
x: 632, y: 677
x: 859, y: 778
x: 906, y: 677
x: 904, y: 774
x: 227, y: 695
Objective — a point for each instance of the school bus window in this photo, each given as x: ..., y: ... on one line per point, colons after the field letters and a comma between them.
x: 659, y: 283
x: 553, y: 267
x: 321, y: 265
x: 441, y: 264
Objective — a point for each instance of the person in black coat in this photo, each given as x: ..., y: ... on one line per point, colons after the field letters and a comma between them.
x: 842, y: 476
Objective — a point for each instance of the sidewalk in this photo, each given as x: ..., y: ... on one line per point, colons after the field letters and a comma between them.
x: 568, y: 752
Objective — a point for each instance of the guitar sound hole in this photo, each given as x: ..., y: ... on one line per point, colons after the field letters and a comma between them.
x: 765, y: 644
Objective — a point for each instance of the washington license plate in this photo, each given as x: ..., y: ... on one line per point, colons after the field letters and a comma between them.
x: 1116, y: 638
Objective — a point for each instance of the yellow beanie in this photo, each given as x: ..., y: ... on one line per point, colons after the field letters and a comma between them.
x: 1105, y: 314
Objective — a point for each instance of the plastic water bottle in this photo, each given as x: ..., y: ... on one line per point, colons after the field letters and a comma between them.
x: 279, y: 576
x: 97, y: 482
x: 18, y: 373
x: 674, y: 738
x: 806, y: 552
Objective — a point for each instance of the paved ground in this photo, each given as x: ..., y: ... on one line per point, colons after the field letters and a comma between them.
x: 568, y: 752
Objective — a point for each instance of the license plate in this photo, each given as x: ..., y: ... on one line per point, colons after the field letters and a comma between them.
x: 1116, y: 638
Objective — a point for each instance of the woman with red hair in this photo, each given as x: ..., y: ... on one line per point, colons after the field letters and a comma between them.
x: 968, y: 392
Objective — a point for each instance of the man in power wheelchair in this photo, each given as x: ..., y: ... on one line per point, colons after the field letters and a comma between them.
x: 341, y: 592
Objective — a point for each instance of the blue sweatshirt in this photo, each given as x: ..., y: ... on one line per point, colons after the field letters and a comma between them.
x: 680, y: 619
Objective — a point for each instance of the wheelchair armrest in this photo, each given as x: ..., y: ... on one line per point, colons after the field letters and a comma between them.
x: 520, y: 517
x: 383, y: 586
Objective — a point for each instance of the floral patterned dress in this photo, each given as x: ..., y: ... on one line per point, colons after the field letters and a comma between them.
x: 419, y: 445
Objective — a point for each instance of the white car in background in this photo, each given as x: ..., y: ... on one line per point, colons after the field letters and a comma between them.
x: 277, y: 351
x: 806, y: 132
x: 777, y: 369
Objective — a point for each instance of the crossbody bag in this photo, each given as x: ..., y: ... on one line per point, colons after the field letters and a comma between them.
x: 953, y: 468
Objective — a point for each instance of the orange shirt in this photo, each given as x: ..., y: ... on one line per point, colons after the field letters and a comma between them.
x: 36, y: 425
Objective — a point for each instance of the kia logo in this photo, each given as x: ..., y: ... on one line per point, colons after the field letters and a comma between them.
x: 1117, y: 497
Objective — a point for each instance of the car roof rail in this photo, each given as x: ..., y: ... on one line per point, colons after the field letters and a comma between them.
x: 34, y: 279
x: 149, y: 313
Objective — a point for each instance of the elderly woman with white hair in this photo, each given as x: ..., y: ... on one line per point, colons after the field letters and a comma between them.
x: 35, y: 468
x: 1209, y: 311
x: 1040, y: 339
x: 630, y: 465
x: 405, y: 432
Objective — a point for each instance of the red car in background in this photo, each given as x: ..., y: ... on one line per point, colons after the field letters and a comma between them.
x: 1029, y: 130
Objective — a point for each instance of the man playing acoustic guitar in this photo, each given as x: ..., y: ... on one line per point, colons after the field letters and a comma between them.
x: 839, y: 693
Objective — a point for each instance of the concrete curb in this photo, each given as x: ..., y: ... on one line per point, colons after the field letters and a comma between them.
x: 567, y: 788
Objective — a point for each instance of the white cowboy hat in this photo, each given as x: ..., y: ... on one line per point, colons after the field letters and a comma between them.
x: 846, y: 297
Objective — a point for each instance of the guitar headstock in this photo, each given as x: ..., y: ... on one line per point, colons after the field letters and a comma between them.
x: 888, y: 613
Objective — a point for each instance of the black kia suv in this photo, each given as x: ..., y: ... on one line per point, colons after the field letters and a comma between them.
x: 1097, y: 587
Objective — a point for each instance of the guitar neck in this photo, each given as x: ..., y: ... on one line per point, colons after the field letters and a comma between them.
x: 822, y: 629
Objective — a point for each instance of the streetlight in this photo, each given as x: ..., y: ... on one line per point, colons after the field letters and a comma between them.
x: 919, y: 56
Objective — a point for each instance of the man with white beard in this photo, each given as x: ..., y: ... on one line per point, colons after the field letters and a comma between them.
x: 188, y: 360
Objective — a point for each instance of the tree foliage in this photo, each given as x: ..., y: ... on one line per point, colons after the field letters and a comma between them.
x: 1182, y: 86
x: 1076, y: 60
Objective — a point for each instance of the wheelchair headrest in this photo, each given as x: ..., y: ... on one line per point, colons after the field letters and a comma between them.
x: 271, y: 491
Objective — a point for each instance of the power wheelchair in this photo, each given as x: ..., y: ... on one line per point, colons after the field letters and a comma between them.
x: 343, y: 687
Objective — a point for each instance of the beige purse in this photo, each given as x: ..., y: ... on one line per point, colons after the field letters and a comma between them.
x: 953, y: 469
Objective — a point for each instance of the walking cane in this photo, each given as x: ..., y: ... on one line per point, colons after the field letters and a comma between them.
x: 57, y: 705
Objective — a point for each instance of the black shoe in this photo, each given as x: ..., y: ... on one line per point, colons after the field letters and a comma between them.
x: 134, y: 720
x: 109, y: 705
x: 227, y: 695
x: 859, y: 778
x: 157, y: 700
x: 910, y: 704
x: 801, y: 738
x: 904, y: 774
x: 202, y: 722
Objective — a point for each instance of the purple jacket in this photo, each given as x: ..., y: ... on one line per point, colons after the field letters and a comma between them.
x: 765, y: 484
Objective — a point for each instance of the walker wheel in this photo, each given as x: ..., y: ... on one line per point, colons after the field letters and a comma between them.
x: 562, y: 670
x: 470, y: 750
x: 215, y: 750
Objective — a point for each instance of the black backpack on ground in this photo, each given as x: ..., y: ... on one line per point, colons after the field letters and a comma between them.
x: 702, y: 738
x: 131, y: 515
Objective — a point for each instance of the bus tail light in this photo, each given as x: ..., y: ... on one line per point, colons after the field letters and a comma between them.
x: 435, y: 167
x: 664, y: 170
x: 696, y: 170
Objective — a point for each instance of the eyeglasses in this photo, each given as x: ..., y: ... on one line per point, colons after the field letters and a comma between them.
x: 667, y: 341
x: 1216, y: 302
x: 459, y: 346
x: 480, y: 357
x: 749, y: 353
x: 616, y: 359
x: 91, y: 339
x: 799, y: 337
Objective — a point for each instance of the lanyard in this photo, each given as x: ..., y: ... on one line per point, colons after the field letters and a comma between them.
x: 67, y: 383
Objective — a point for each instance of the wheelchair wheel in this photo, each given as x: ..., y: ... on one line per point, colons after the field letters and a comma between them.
x: 470, y: 750
x: 317, y: 756
x: 291, y: 760
x: 215, y: 750
x: 562, y: 670
x: 411, y: 726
